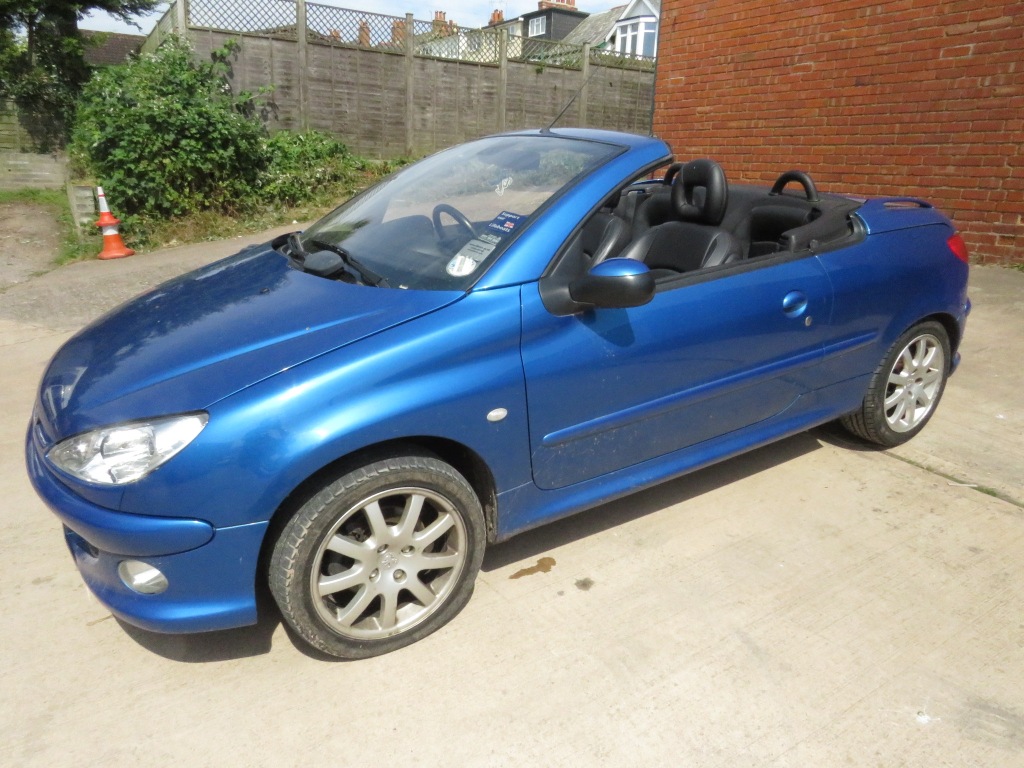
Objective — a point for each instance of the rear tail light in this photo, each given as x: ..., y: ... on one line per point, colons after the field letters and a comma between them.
x: 959, y: 248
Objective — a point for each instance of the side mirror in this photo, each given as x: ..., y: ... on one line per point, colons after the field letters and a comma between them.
x: 614, y: 284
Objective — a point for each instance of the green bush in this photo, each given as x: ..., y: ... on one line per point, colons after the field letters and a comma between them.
x: 183, y: 159
x: 302, y: 165
x: 166, y: 136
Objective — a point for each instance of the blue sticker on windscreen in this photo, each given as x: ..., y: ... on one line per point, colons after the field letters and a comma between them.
x: 505, y: 222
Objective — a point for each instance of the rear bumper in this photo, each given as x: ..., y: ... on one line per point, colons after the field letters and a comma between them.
x: 211, y: 572
x: 961, y: 322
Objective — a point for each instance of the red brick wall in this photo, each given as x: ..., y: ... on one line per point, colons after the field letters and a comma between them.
x: 891, y: 97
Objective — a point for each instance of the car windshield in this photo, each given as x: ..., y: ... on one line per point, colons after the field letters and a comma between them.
x: 438, y: 224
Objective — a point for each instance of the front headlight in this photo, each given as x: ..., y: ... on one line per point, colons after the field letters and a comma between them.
x: 126, y: 452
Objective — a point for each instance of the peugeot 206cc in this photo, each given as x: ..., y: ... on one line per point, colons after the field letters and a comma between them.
x: 505, y: 333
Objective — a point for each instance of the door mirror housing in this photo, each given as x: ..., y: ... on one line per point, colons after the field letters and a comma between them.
x: 614, y: 284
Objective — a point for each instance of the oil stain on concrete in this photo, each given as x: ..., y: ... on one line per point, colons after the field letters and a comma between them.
x: 544, y: 565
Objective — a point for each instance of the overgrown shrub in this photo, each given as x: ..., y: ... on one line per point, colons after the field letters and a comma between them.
x: 301, y: 165
x: 183, y: 159
x: 167, y: 137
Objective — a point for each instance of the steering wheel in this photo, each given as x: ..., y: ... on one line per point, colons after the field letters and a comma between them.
x: 802, y: 179
x: 460, y: 219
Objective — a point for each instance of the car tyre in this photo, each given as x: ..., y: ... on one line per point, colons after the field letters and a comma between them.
x: 379, y: 558
x: 905, y: 389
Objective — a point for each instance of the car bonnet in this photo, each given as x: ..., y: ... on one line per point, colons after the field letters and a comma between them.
x: 201, y: 337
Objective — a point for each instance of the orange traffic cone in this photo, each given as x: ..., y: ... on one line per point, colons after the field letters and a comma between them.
x: 113, y: 245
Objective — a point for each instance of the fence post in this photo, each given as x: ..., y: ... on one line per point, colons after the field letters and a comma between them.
x: 181, y: 17
x: 410, y: 94
x: 585, y: 78
x: 502, y: 78
x: 300, y: 30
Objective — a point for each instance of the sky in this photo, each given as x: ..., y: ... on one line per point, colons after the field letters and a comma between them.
x: 466, y: 13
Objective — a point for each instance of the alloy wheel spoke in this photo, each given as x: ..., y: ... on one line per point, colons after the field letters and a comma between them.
x: 898, y: 379
x: 899, y: 411
x: 350, y: 613
x: 410, y: 516
x: 375, y: 517
x: 907, y: 358
x: 898, y: 395
x: 929, y: 353
x: 916, y: 352
x: 342, y: 545
x: 438, y: 562
x: 388, y: 616
x: 340, y: 581
x: 421, y: 591
x: 435, y: 530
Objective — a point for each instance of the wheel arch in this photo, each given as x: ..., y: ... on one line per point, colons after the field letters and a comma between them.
x: 461, y: 457
x: 900, y: 325
x: 948, y: 322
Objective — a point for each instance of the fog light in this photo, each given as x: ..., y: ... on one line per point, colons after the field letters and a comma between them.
x: 142, y: 577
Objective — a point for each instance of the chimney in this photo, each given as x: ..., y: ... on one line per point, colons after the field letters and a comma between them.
x: 364, y: 34
x: 439, y: 26
x: 497, y: 17
x: 568, y: 5
x: 398, y: 32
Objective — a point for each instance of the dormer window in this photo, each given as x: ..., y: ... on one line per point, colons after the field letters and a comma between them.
x: 538, y: 26
x: 637, y: 36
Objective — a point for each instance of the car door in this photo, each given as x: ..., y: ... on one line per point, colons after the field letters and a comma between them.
x: 610, y: 388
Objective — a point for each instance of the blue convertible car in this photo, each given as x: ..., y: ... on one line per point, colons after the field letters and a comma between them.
x: 510, y: 331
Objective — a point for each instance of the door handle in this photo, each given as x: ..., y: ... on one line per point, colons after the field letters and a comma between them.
x: 794, y: 303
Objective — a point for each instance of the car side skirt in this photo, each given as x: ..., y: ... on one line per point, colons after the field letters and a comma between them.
x: 528, y: 506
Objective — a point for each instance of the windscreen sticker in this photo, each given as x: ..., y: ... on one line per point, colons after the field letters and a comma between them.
x: 505, y: 222
x: 469, y: 257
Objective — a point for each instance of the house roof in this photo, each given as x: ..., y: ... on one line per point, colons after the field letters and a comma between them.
x: 642, y: 8
x: 104, y: 49
x: 596, y: 28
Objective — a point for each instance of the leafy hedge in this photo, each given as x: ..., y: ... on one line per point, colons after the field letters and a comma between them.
x: 167, y: 136
x: 299, y: 165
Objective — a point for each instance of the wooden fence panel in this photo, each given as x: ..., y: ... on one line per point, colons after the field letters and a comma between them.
x: 363, y: 93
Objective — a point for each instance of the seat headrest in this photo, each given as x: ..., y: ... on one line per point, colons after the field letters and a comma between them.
x: 700, y: 193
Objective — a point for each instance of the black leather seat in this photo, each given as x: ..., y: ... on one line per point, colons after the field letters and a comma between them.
x: 694, y: 239
x: 768, y: 222
x: 604, y: 236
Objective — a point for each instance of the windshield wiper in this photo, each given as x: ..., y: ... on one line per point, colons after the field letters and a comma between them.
x: 367, y: 275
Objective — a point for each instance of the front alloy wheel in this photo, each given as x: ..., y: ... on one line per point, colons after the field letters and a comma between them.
x: 380, y: 558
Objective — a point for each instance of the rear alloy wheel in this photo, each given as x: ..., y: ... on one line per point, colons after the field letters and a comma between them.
x: 906, y: 387
x: 379, y: 558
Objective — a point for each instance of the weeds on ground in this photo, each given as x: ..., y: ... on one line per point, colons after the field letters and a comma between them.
x: 150, y: 233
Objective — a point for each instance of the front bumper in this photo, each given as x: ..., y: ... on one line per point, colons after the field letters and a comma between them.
x: 211, y: 571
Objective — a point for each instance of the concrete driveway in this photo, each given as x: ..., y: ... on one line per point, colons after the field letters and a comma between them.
x: 812, y: 603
